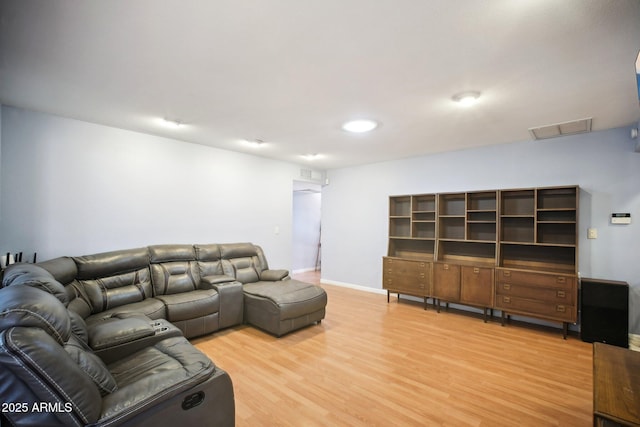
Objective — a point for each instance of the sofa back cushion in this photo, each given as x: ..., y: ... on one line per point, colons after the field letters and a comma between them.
x: 25, y: 306
x: 36, y: 366
x: 174, y: 269
x: 36, y: 277
x: 209, y: 260
x: 64, y: 270
x: 262, y: 264
x: 240, y: 260
x: 112, y: 279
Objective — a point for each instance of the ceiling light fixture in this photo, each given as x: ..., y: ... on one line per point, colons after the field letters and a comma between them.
x: 360, y: 126
x: 311, y: 156
x: 466, y: 99
x: 255, y: 142
x: 174, y: 124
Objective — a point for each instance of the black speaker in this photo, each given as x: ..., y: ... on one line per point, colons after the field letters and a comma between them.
x: 604, y: 311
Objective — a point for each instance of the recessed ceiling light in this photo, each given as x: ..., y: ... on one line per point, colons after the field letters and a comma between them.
x: 360, y: 126
x: 311, y: 156
x: 466, y: 99
x: 174, y: 124
x: 255, y: 142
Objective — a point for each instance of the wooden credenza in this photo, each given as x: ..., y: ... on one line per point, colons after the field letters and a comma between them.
x: 514, y: 250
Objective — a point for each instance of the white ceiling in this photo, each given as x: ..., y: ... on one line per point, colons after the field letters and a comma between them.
x: 290, y: 72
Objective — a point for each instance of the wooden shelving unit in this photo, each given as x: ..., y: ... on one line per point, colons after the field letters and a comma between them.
x: 412, y: 232
x: 466, y: 253
x: 538, y: 262
x: 475, y: 243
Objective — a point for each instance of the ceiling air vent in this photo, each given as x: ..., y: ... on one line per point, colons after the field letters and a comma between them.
x: 310, y: 174
x: 306, y: 173
x: 561, y: 129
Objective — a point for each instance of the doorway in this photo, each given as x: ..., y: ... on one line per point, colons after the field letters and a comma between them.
x: 306, y: 233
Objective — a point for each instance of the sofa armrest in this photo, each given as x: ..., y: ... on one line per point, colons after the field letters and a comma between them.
x: 117, y: 331
x: 210, y: 282
x: 274, y: 275
x: 161, y: 329
x: 231, y: 303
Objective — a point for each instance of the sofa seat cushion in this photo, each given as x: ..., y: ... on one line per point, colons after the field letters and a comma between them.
x: 172, y: 359
x: 151, y: 307
x: 163, y: 369
x: 190, y: 305
x: 286, y: 299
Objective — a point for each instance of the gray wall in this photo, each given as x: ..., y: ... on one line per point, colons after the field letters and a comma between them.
x: 603, y: 164
x: 72, y: 188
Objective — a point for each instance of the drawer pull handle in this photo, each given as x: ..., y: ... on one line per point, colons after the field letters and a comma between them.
x: 560, y: 308
x: 506, y: 286
x: 561, y: 294
x: 422, y: 264
x: 445, y: 266
x: 561, y: 279
x: 506, y: 300
x: 506, y: 273
x: 389, y: 281
x: 476, y: 270
x: 422, y: 275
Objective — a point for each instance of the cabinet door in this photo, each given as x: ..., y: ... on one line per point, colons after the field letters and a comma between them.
x: 477, y: 286
x: 446, y: 281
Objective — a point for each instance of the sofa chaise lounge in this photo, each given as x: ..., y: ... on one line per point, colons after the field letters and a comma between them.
x: 198, y: 288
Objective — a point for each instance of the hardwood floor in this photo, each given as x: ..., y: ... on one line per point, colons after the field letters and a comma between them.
x: 370, y: 363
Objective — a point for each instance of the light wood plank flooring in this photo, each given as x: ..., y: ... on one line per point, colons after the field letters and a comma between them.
x: 370, y: 363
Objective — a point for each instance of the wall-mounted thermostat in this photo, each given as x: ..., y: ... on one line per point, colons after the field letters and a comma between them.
x: 620, y: 218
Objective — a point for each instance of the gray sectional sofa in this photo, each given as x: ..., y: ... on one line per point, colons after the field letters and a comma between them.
x: 102, y: 339
x: 198, y: 288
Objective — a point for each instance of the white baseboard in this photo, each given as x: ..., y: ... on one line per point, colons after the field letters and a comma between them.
x: 303, y: 270
x: 352, y: 286
x: 634, y: 342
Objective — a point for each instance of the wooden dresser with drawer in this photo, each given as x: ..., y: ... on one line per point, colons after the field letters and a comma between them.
x: 543, y: 295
